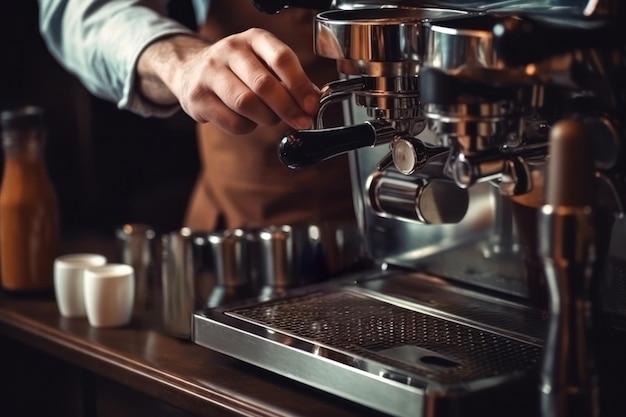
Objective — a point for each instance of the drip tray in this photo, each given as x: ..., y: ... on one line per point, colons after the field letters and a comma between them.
x: 401, y: 358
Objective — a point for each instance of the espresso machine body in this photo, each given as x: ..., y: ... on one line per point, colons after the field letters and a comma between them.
x: 486, y: 149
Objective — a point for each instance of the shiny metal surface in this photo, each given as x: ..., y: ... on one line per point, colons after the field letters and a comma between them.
x: 358, y: 339
x: 450, y: 303
x: 604, y: 8
x: 474, y: 126
x: 377, y: 42
x: 458, y: 45
x: 233, y: 265
x: 178, y: 276
x: 427, y: 201
x: 569, y: 250
x: 137, y: 244
x: 391, y: 98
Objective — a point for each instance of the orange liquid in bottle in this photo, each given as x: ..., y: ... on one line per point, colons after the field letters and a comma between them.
x: 28, y: 211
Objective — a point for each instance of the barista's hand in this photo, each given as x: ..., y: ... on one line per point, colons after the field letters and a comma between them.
x: 237, y: 83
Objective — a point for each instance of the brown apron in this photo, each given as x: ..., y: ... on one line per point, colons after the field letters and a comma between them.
x: 242, y: 182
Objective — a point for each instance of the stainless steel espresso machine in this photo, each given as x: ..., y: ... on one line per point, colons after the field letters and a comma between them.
x: 486, y: 142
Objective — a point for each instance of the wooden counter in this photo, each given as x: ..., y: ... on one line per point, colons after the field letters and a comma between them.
x: 51, y: 365
x: 177, y: 373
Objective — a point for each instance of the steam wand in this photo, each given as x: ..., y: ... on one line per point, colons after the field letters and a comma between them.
x: 567, y: 233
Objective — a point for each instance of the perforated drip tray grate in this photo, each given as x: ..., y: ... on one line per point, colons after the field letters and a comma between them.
x: 444, y: 351
x: 384, y: 354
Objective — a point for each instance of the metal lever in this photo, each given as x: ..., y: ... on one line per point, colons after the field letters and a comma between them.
x: 306, y: 147
x: 568, y: 249
x: 334, y: 92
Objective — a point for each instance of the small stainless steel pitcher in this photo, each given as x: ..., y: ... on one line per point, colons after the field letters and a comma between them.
x: 184, y: 289
x: 199, y: 270
x: 137, y: 249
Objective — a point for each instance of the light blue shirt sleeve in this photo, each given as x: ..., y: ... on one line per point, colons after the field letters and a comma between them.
x: 100, y: 41
x: 201, y: 10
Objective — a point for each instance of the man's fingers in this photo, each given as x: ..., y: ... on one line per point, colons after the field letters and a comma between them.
x: 266, y: 87
x: 246, y: 80
x: 241, y: 99
x: 284, y: 64
x: 210, y: 108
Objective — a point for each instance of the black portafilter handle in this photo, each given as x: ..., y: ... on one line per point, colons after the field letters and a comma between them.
x: 526, y: 39
x: 302, y: 148
x: 275, y: 6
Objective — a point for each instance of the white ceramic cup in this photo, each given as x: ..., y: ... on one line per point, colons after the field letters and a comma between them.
x: 109, y: 295
x: 68, y: 281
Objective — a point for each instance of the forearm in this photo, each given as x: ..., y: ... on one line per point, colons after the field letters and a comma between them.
x: 128, y: 52
x: 161, y: 66
x: 100, y: 42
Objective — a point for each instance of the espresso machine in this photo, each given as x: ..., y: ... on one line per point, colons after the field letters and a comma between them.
x: 486, y: 144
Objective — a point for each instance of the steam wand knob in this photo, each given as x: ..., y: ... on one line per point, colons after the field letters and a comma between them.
x: 410, y: 154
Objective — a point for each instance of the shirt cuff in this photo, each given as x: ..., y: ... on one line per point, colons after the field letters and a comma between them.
x: 132, y: 99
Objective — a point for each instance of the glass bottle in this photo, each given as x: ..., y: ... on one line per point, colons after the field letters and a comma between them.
x: 29, y: 220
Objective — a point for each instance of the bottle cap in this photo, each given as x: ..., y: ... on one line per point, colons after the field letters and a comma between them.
x: 22, y: 118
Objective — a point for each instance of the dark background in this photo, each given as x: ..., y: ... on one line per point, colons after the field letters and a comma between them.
x: 108, y: 166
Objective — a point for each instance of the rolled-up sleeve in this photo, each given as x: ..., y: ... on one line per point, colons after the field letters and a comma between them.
x: 100, y: 41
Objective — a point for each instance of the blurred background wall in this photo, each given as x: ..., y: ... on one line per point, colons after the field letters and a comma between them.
x: 109, y: 166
